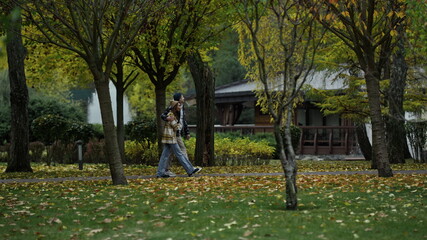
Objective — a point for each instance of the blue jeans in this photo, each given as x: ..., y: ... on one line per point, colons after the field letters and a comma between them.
x: 167, y: 148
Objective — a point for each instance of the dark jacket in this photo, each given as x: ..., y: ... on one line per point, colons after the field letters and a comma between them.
x: 184, y: 131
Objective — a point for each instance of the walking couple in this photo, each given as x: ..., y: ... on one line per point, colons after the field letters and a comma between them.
x: 175, y: 127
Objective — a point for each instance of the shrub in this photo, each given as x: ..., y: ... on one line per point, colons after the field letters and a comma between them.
x: 50, y: 128
x: 238, y: 151
x: 140, y: 130
x: 36, y: 151
x: 78, y: 131
x: 60, y: 152
x: 98, y: 130
x: 40, y: 105
x: 4, y: 124
x: 4, y: 152
x: 141, y: 152
x: 95, y: 152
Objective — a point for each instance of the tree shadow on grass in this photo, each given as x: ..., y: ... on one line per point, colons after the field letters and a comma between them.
x: 282, y: 207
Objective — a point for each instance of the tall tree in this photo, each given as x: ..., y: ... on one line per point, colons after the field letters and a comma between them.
x: 204, y: 82
x: 122, y: 79
x: 99, y: 31
x: 278, y: 44
x: 170, y: 36
x: 19, y: 160
x: 395, y: 120
x: 367, y: 28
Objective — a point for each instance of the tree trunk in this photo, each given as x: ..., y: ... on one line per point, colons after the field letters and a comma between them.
x: 378, y: 129
x: 120, y: 119
x: 113, y: 153
x: 396, y: 134
x: 160, y: 108
x: 205, y: 84
x: 363, y: 140
x: 19, y: 160
x: 289, y: 166
x: 289, y: 170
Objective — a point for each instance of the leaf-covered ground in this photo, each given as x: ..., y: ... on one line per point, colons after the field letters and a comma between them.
x: 330, y: 207
x: 97, y: 170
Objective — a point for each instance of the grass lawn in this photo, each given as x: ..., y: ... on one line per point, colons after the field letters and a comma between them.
x: 330, y: 206
x: 97, y: 170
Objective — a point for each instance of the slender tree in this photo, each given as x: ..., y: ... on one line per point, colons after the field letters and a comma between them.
x: 19, y: 160
x: 99, y: 31
x: 277, y: 47
x: 367, y: 27
x: 122, y: 79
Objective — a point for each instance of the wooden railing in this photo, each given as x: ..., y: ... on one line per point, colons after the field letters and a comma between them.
x: 316, y: 140
x: 321, y: 140
x: 243, y: 129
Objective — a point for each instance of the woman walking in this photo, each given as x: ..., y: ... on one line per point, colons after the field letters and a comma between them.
x: 169, y: 140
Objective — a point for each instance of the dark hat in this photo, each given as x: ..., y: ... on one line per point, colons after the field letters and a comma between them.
x: 177, y: 96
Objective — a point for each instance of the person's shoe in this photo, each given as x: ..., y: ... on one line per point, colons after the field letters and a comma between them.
x: 171, y: 174
x: 196, y: 170
x: 163, y: 176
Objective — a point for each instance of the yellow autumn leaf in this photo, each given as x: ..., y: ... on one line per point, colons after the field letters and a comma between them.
x: 345, y: 13
x: 401, y: 14
x: 393, y: 33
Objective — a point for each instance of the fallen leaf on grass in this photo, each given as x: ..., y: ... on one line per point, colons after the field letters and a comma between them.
x: 228, y: 225
x: 159, y: 224
x: 107, y: 220
x: 54, y: 220
x: 247, y: 233
x: 94, y: 231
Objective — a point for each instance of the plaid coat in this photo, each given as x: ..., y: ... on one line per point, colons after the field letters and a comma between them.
x: 184, y: 131
x: 170, y: 131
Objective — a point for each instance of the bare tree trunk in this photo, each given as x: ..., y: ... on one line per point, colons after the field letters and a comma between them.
x: 363, y: 140
x: 396, y: 134
x: 19, y: 160
x: 120, y: 120
x: 378, y: 129
x: 160, y: 108
x: 290, y: 166
x: 113, y: 153
x: 205, y: 85
x: 119, y: 83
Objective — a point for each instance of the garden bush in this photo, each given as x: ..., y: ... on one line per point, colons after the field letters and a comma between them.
x: 140, y: 130
x: 94, y: 152
x: 50, y: 128
x: 4, y: 152
x: 40, y: 105
x: 36, y: 151
x: 141, y: 152
x: 4, y: 124
x: 268, y: 137
x: 236, y: 152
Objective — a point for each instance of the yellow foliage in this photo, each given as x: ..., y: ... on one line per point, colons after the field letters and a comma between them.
x: 241, y: 151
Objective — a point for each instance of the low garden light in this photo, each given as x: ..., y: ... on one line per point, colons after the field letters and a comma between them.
x: 80, y: 153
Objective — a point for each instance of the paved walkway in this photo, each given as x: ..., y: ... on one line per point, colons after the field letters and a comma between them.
x: 211, y: 175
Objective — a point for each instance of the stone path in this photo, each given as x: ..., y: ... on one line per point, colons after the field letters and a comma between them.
x: 212, y: 175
